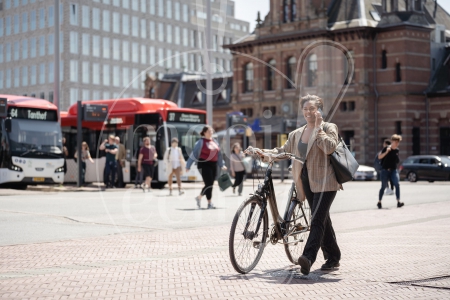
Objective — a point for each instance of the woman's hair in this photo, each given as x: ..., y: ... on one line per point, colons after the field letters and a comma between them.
x: 85, y: 144
x: 318, y: 102
x: 146, y: 138
x: 205, y: 129
x: 234, y: 146
x: 174, y: 140
x: 396, y: 137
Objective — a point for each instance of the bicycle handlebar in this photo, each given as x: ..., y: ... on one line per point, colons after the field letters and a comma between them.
x: 280, y: 156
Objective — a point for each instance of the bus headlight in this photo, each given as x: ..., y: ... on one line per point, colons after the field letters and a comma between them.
x: 15, y: 168
x: 59, y: 170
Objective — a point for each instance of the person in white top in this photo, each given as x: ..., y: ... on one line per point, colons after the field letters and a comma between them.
x: 175, y: 165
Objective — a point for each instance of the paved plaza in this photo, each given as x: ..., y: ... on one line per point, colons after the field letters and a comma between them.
x: 386, y: 254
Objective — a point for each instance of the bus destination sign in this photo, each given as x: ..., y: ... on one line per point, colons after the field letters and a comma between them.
x: 186, y: 117
x: 33, y: 114
x: 3, y: 107
x: 95, y: 113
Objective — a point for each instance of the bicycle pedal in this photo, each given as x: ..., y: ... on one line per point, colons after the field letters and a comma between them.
x: 256, y: 244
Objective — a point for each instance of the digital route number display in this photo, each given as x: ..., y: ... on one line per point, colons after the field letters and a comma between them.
x: 33, y: 114
x: 186, y: 117
x: 95, y: 113
x: 3, y: 107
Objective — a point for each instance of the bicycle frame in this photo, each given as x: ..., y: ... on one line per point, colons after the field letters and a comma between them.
x: 266, y: 192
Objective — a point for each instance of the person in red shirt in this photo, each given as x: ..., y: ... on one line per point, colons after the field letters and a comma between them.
x: 207, y: 155
x: 146, y: 162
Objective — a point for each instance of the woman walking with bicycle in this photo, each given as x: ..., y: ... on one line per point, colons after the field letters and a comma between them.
x: 315, y: 180
x: 207, y: 155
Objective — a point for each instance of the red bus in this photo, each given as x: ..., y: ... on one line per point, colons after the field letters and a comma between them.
x: 31, y: 142
x: 132, y: 119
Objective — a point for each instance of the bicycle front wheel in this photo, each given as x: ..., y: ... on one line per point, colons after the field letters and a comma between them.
x: 298, y: 222
x: 246, y: 245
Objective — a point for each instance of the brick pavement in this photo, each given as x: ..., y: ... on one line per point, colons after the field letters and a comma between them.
x: 386, y: 254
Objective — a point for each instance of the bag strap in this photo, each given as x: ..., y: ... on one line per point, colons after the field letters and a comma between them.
x: 341, y: 140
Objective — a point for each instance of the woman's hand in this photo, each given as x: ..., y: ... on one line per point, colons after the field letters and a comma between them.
x: 187, y: 170
x: 318, y: 119
x: 224, y: 168
x: 232, y: 174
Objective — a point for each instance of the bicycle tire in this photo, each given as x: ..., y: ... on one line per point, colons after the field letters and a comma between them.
x: 295, y: 250
x: 251, y: 251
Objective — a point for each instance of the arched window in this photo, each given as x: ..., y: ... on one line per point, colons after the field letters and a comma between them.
x: 271, y: 75
x: 398, y: 73
x: 293, y: 10
x: 285, y: 11
x: 312, y: 69
x: 383, y: 59
x: 290, y: 71
x: 248, y: 77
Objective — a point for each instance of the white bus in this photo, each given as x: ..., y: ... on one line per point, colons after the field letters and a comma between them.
x: 31, y: 142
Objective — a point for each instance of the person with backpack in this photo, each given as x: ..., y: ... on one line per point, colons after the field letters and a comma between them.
x: 237, y: 168
x: 175, y: 165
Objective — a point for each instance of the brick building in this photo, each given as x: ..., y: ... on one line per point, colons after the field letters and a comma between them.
x: 401, y: 69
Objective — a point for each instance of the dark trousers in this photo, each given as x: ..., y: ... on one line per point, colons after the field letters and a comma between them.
x: 120, y: 183
x: 83, y: 172
x: 239, y: 181
x: 322, y: 232
x: 387, y: 175
x: 208, y: 169
x: 110, y: 173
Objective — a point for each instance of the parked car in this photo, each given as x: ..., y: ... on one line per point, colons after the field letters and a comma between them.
x: 365, y: 173
x: 425, y: 167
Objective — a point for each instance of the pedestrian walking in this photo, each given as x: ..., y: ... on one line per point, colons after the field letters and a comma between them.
x: 110, y: 164
x: 208, y: 156
x: 390, y: 158
x: 146, y: 163
x: 85, y: 155
x: 237, y: 168
x: 65, y: 154
x: 315, y: 179
x: 120, y: 162
x: 175, y: 165
x: 378, y: 168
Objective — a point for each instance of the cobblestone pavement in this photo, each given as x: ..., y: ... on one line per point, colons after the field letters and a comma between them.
x: 386, y: 254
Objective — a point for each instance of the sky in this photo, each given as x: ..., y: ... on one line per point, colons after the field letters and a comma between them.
x: 247, y: 9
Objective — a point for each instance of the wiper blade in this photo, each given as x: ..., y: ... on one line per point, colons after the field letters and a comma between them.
x: 40, y: 152
x: 26, y: 152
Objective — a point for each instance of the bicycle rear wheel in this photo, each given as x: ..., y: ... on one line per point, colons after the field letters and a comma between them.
x: 245, y: 245
x: 295, y: 221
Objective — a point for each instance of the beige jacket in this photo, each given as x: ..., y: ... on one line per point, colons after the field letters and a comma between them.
x: 320, y: 172
x: 168, y: 160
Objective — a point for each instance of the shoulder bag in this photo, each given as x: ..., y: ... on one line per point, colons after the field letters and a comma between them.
x: 343, y: 162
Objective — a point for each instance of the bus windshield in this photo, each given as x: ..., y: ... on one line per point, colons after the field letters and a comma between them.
x: 31, y: 138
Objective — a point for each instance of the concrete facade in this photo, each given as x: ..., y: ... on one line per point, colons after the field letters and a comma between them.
x: 107, y: 46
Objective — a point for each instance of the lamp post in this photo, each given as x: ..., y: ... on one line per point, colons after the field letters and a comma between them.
x: 57, y: 57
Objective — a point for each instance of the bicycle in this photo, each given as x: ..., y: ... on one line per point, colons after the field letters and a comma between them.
x: 246, y: 231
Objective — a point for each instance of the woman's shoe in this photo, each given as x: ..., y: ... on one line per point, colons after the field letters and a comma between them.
x: 305, y: 264
x: 234, y: 190
x: 170, y: 192
x: 198, y: 201
x: 211, y: 206
x: 330, y: 265
x: 180, y: 192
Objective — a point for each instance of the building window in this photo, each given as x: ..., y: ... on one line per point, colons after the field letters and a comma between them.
x: 185, y: 13
x: 271, y: 75
x: 73, y: 42
x: 106, y: 49
x: 32, y: 47
x: 177, y: 11
x: 74, y: 70
x: 135, y: 52
x: 24, y: 50
x: 85, y: 72
x: 33, y: 20
x: 384, y: 59
x: 106, y: 21
x: 116, y: 79
x: 42, y: 95
x: 51, y: 44
x: 42, y: 18
x: 126, y: 51
x: 351, y: 106
x: 51, y: 16
x: 343, y: 106
x: 152, y: 55
x: 51, y: 72
x: 73, y: 96
x: 285, y: 11
x: 42, y: 73
x: 24, y: 76
x: 143, y: 29
x: 152, y: 7
x: 398, y: 73
x: 152, y: 30
x: 73, y: 14
x: 161, y: 8
x: 161, y: 32
x: 248, y: 77
x: 1, y: 79
x: 95, y: 73
x: 16, y: 77
x: 106, y: 76
x: 169, y: 9
x: 24, y: 22
x: 8, y: 52
x: 134, y: 78
x: 185, y: 37
x: 96, y: 19
x: 169, y: 33
x: 290, y: 71
x: 85, y: 44
x: 126, y: 4
x: 42, y: 46
x: 177, y: 35
x: 312, y: 70
x: 398, y: 127
x: 126, y: 24
x: 50, y: 96
x: 293, y: 10
x: 116, y: 22
x: 16, y: 50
